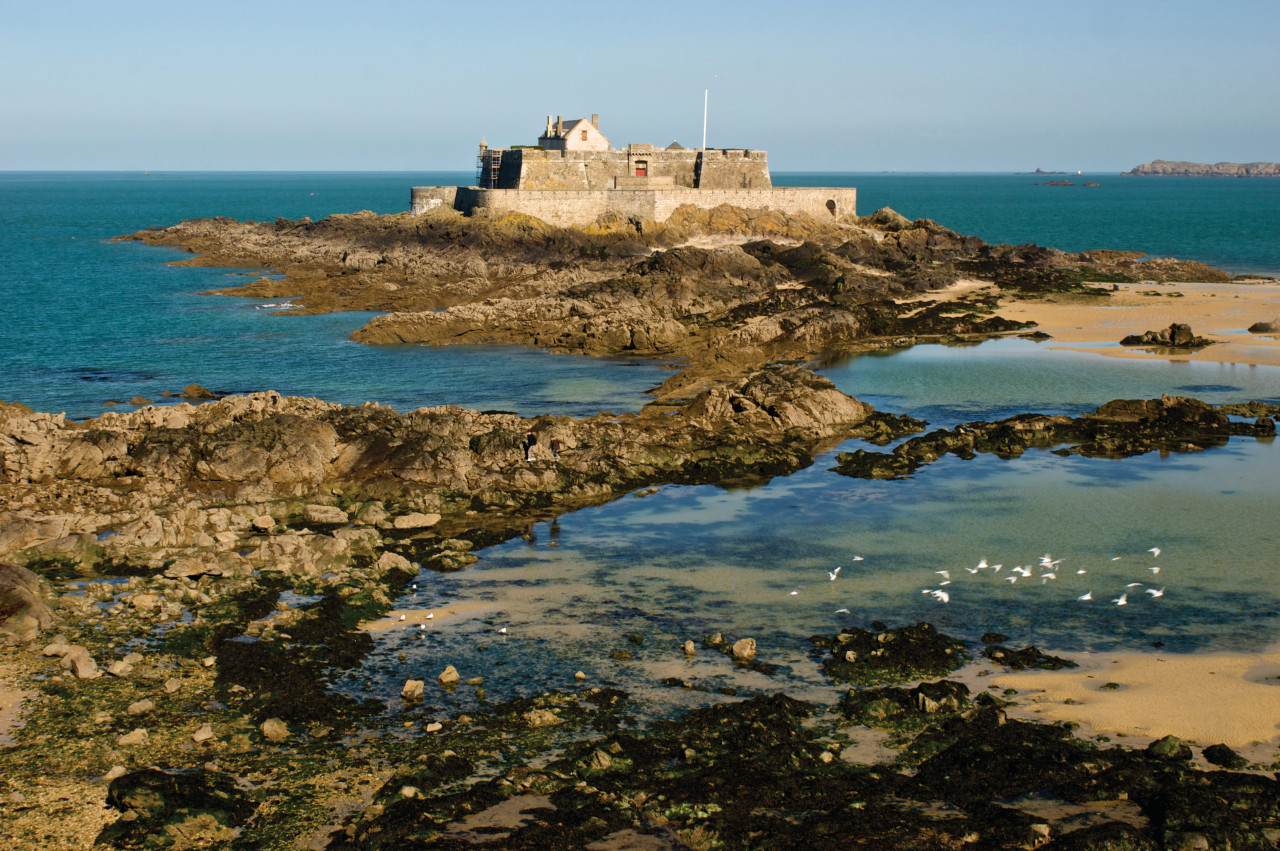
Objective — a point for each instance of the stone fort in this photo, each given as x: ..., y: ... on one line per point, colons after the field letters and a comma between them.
x: 573, y: 176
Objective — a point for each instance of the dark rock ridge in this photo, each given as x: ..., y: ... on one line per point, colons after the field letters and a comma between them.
x: 1177, y: 336
x: 1178, y: 168
x: 1118, y: 429
x: 1271, y: 327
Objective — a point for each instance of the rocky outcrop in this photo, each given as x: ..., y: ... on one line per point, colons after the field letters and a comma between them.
x: 1272, y: 327
x: 23, y: 610
x: 1179, y: 168
x: 1176, y: 336
x: 1118, y: 429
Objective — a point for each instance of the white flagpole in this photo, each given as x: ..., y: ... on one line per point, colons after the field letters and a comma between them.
x: 704, y: 118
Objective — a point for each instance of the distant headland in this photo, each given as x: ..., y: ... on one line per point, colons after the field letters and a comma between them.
x: 1169, y: 168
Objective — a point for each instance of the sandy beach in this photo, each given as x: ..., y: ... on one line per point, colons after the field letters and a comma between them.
x: 1220, y: 312
x: 1233, y: 699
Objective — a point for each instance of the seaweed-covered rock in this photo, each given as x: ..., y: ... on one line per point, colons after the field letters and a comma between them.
x: 894, y: 655
x: 1170, y: 747
x: 1111, y: 836
x: 1271, y: 327
x: 1225, y: 757
x: 891, y: 706
x: 1118, y: 429
x: 1027, y: 657
x: 197, y: 809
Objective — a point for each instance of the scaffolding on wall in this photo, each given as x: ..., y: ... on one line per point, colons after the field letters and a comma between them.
x: 488, y: 164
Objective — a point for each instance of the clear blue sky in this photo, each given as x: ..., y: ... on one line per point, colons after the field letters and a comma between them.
x: 840, y: 86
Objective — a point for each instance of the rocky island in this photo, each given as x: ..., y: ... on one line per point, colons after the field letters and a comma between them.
x: 182, y: 584
x: 1168, y: 168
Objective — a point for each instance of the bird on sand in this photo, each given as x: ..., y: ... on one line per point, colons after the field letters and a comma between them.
x: 1122, y: 600
x: 430, y: 615
x: 1155, y: 551
x: 832, y: 574
x: 502, y: 631
x: 402, y: 617
x: 1154, y: 593
x: 1086, y: 596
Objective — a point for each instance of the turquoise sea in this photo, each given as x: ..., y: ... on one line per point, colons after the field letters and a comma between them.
x: 91, y: 321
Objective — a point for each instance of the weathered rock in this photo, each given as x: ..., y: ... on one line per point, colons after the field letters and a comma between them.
x: 134, y: 738
x: 23, y: 611
x: 202, y: 808
x: 392, y: 561
x: 415, y: 520
x: 195, y: 391
x: 141, y: 707
x: 202, y: 734
x: 541, y: 718
x: 324, y: 515
x: 1176, y: 336
x: 449, y: 676
x: 412, y: 690
x: 274, y: 730
x: 1272, y: 327
x: 744, y: 649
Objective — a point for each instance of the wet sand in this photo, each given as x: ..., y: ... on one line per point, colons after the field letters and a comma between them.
x: 1233, y: 699
x: 1220, y: 312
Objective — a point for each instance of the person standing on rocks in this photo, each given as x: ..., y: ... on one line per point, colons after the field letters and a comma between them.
x: 530, y: 441
x: 555, y: 448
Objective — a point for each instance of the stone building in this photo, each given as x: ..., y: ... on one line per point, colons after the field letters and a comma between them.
x: 573, y: 175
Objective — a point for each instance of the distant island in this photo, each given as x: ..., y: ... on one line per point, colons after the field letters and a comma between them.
x: 1169, y: 168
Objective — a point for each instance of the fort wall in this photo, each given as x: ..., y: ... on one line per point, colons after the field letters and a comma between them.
x: 578, y: 207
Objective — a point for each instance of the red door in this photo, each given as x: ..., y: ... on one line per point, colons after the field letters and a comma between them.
x: 642, y: 171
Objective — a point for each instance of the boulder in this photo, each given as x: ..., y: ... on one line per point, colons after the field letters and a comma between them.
x: 1272, y: 327
x: 23, y: 611
x: 1170, y: 748
x: 195, y: 391
x: 744, y: 649
x: 324, y: 515
x: 415, y: 520
x: 134, y: 738
x: 1176, y: 336
x: 449, y: 677
x: 274, y: 730
x: 412, y: 691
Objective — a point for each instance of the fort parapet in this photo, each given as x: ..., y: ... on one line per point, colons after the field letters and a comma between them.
x: 573, y: 176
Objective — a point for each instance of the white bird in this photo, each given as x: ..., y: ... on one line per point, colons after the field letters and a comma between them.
x: 1155, y: 551
x: 833, y: 574
x: 1086, y: 596
x: 1023, y: 571
x: 1045, y: 577
x: 943, y: 596
x: 402, y: 617
x: 422, y: 627
x: 972, y: 569
x: 414, y: 586
x: 982, y: 563
x: 1123, y: 600
x: 1155, y: 569
x: 1081, y: 571
x: 944, y: 574
x: 1050, y: 562
x: 1117, y: 558
x: 795, y: 593
x: 944, y: 582
x: 926, y: 590
x: 502, y: 631
x: 1133, y: 585
x: 1011, y: 579
x: 842, y: 611
x: 430, y: 615
x: 1154, y: 593
x: 996, y: 568
x: 856, y: 558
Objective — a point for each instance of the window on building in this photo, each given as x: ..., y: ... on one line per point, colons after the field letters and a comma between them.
x: 584, y: 135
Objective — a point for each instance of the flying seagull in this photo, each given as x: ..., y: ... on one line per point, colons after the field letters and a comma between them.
x: 1086, y: 596
x: 1155, y: 551
x: 833, y: 574
x: 1154, y: 593
x: 1123, y: 600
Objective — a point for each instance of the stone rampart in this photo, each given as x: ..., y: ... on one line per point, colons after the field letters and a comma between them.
x: 578, y: 207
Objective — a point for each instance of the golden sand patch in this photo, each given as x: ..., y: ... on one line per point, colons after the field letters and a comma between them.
x: 1221, y: 312
x: 1232, y: 699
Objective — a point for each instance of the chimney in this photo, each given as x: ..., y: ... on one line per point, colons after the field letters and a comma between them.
x: 559, y: 125
x: 595, y: 120
x: 548, y: 133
